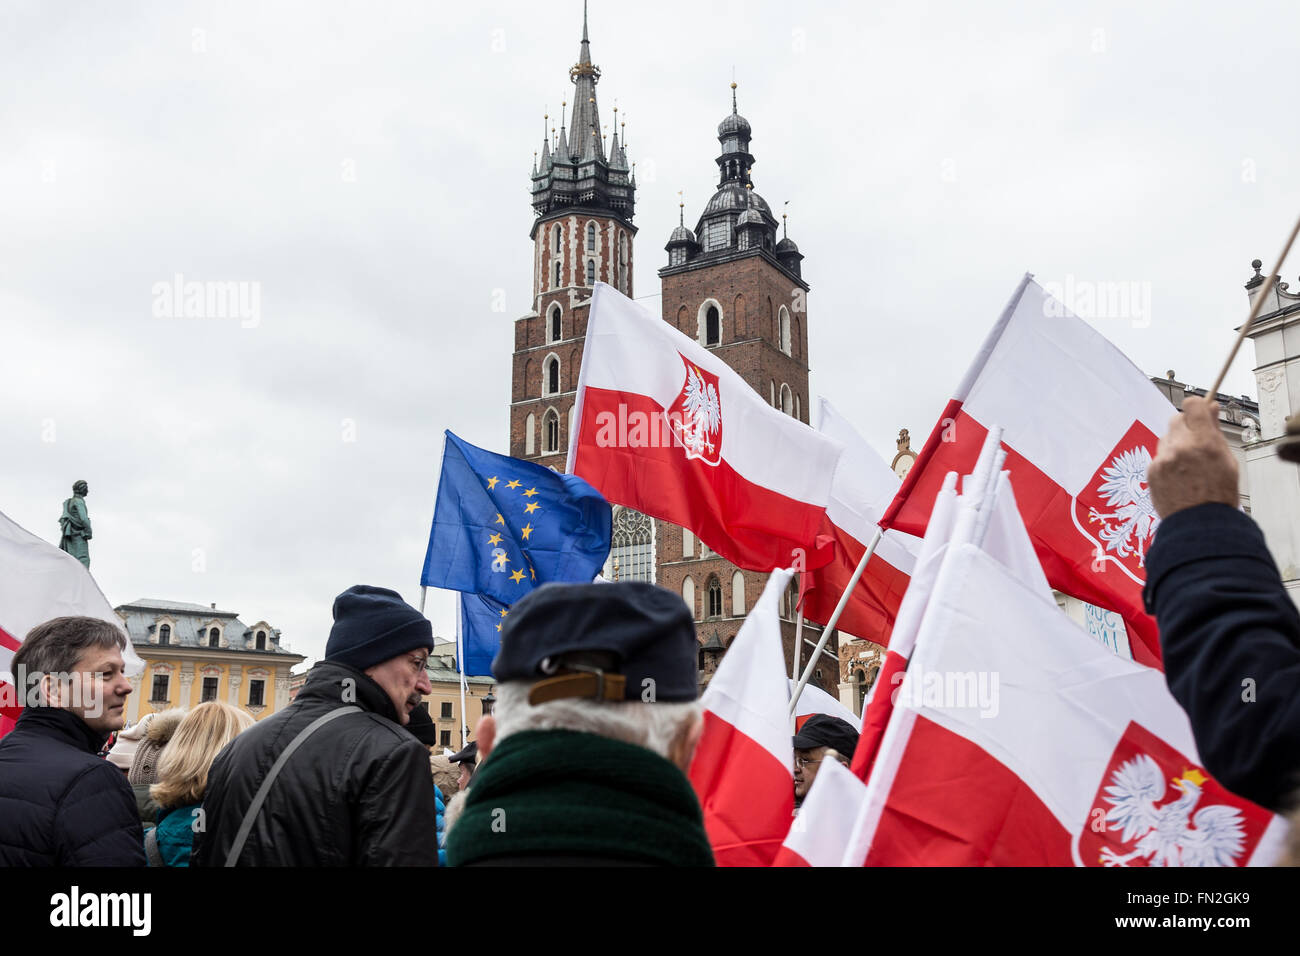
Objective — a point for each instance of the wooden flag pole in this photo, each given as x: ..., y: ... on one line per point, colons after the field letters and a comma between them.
x: 835, y: 618
x: 1254, y: 313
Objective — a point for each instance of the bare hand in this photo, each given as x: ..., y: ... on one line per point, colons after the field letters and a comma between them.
x: 1193, y: 465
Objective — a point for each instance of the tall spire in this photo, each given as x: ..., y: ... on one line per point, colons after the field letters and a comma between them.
x: 584, y: 133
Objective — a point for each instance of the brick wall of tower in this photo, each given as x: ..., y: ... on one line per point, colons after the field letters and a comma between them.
x: 534, y: 343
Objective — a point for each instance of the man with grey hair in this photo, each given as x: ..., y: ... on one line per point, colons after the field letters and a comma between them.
x: 583, y: 762
x: 62, y: 805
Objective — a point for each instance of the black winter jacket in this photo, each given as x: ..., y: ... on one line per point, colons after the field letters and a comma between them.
x: 60, y: 805
x: 359, y: 792
x: 1231, y: 640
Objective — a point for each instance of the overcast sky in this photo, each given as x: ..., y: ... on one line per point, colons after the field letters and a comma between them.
x: 367, y: 166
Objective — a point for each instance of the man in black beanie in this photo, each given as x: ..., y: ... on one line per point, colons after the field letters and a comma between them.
x: 333, y: 779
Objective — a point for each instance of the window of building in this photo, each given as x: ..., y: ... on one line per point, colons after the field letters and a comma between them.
x: 165, y: 634
x: 256, y: 690
x: 632, y: 546
x: 797, y: 412
x: 783, y: 324
x: 159, y: 693
x: 552, y: 376
x: 555, y: 240
x: 444, y: 738
x: 717, y: 234
x: 210, y: 688
x: 446, y: 710
x: 712, y: 327
x: 214, y: 638
x: 688, y: 594
x: 787, y: 399
x: 771, y: 386
x: 715, y: 597
x: 591, y: 272
x: 530, y: 442
x: 737, y: 595
x: 556, y: 283
x: 261, y: 640
x: 553, y: 325
x: 551, y: 432
x: 688, y: 543
x: 591, y: 237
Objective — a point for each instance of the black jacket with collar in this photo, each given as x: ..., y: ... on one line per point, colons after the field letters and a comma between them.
x: 1230, y: 634
x: 60, y: 805
x: 358, y: 792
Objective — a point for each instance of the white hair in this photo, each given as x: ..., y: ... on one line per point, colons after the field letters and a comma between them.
x: 652, y: 726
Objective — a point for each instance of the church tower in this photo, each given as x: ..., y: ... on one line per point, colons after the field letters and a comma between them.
x: 738, y: 290
x: 583, y: 194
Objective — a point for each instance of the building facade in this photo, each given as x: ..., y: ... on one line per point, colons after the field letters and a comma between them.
x: 737, y: 289
x: 195, y: 653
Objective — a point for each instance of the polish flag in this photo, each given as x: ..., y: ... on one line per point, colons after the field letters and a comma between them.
x: 1081, y: 423
x: 1018, y: 740
x: 743, y: 770
x: 824, y: 825
x: 39, y: 582
x: 814, y: 700
x: 665, y: 426
x: 861, y: 489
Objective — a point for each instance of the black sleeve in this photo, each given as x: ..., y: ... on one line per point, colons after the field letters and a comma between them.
x: 1230, y: 634
x: 97, y: 822
x: 397, y: 816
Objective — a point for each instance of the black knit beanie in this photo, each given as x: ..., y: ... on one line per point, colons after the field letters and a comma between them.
x: 372, y: 625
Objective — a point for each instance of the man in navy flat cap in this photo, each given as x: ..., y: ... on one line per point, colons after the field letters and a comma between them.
x: 584, y: 760
x: 333, y: 779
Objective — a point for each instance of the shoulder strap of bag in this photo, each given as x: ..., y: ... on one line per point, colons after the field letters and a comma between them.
x: 151, y: 848
x: 246, y: 827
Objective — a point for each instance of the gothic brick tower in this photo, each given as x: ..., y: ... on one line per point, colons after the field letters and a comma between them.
x: 583, y: 201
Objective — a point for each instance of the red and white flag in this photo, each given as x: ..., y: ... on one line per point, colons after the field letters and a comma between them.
x: 665, y: 426
x: 1016, y: 739
x: 743, y: 770
x: 1081, y: 423
x: 824, y: 825
x: 814, y: 700
x: 861, y: 489
x: 39, y: 582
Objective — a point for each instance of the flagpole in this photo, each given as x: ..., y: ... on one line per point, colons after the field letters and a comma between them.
x: 460, y: 666
x: 835, y: 618
x: 1254, y: 313
x: 423, y: 591
x: 798, y: 649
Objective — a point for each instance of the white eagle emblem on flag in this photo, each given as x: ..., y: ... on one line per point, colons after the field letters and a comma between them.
x: 1169, y: 835
x: 696, y: 416
x: 1129, y: 527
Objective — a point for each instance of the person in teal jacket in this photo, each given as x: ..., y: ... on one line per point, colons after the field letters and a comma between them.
x: 183, y: 779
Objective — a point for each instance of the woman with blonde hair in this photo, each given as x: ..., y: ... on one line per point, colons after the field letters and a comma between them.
x: 183, y: 779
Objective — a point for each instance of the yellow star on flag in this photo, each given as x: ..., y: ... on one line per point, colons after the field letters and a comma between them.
x: 494, y: 539
x: 492, y: 482
x: 500, y: 520
x: 504, y: 612
x: 516, y: 576
x: 526, y: 530
x: 514, y: 484
x: 498, y: 627
x: 530, y: 492
x: 531, y: 507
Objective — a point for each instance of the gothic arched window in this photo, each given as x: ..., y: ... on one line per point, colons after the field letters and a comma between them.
x: 555, y: 240
x: 551, y: 432
x: 737, y: 595
x: 556, y: 283
x: 787, y: 399
x: 712, y: 327
x: 631, y: 553
x: 591, y: 237
x: 688, y: 594
x: 530, y: 439
x: 783, y: 323
x: 715, y: 597
x: 591, y: 272
x: 551, y: 379
x: 553, y: 327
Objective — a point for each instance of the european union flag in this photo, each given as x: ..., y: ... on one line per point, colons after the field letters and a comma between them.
x: 502, y: 526
x: 480, y: 632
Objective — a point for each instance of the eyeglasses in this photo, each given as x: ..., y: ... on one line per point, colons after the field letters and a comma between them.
x: 804, y: 761
x: 419, y: 663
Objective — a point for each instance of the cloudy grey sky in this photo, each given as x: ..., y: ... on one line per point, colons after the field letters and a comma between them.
x: 367, y: 165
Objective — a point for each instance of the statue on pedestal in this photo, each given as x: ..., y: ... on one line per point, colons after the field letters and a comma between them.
x: 75, y: 524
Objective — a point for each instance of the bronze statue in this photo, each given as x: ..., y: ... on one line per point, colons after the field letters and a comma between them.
x: 75, y: 524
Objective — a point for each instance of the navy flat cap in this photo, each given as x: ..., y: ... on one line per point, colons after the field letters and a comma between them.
x: 623, y: 641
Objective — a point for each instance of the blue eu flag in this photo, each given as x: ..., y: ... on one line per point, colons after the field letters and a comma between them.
x: 480, y: 632
x: 502, y: 526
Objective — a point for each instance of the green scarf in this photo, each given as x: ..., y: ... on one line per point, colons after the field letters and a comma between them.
x: 563, y: 793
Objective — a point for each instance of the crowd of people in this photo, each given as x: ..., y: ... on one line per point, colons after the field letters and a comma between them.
x: 585, y: 759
